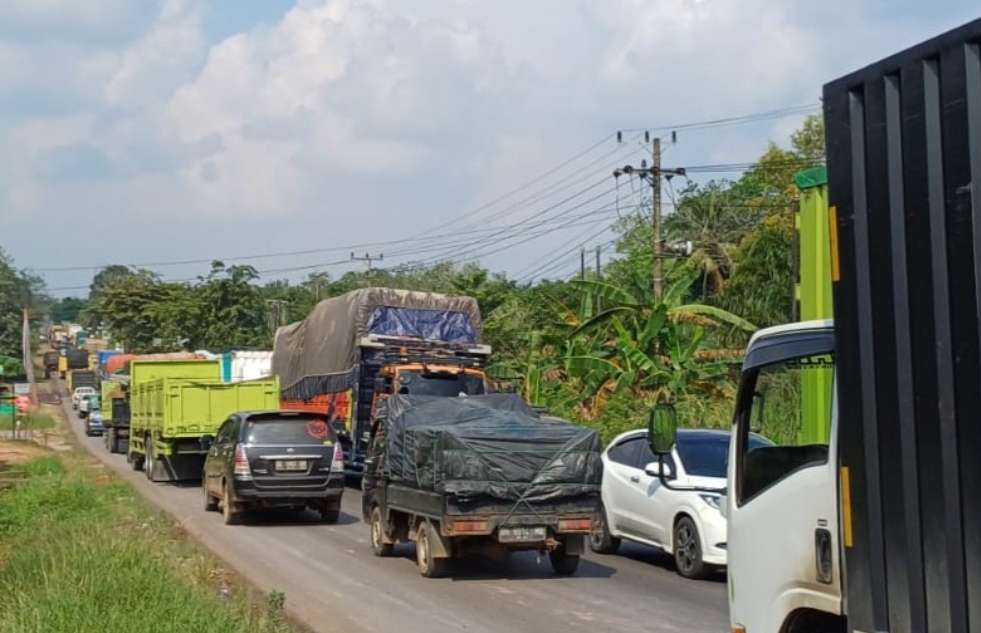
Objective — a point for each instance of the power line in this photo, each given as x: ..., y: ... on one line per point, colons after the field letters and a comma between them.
x: 734, y: 120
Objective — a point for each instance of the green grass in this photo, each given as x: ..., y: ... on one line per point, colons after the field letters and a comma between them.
x: 80, y: 552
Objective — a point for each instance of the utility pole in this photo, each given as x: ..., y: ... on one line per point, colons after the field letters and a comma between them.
x: 27, y: 359
x: 657, y: 246
x: 653, y: 175
x: 582, y: 262
x: 598, y: 269
x: 367, y: 258
x: 275, y: 314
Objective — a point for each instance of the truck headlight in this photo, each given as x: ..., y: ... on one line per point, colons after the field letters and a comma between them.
x: 712, y: 500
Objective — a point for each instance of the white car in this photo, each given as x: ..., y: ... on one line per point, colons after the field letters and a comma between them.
x: 78, y: 393
x: 685, y: 523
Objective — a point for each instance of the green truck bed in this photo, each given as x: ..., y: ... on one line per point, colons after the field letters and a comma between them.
x: 169, y: 416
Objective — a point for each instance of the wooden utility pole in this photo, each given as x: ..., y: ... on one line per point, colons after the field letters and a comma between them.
x: 657, y: 246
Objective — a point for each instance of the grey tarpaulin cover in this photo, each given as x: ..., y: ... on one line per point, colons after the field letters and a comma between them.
x: 318, y: 354
x: 493, y: 445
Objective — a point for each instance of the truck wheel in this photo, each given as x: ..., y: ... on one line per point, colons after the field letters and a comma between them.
x: 600, y: 539
x: 429, y: 566
x: 378, y: 544
x: 229, y: 511
x: 148, y: 460
x: 563, y: 564
x: 210, y: 503
x: 330, y: 511
x: 135, y: 461
x: 688, y: 549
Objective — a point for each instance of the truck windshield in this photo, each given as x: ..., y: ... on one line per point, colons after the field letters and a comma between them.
x: 448, y: 384
x: 298, y: 430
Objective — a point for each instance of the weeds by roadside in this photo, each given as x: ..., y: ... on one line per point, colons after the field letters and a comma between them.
x: 80, y: 552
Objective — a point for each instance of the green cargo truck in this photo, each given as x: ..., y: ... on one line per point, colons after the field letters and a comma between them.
x: 144, y: 371
x: 170, y: 416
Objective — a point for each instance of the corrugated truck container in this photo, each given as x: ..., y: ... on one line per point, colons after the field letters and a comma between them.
x: 77, y: 358
x: 246, y: 365
x: 170, y: 416
x: 904, y: 171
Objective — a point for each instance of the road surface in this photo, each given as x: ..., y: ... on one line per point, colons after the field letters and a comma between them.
x: 333, y: 583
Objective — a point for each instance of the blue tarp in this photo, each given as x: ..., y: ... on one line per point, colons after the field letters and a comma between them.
x: 432, y: 325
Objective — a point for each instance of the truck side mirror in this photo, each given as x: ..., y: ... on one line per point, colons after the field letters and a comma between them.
x: 662, y: 428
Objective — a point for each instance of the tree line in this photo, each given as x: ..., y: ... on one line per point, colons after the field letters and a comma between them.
x: 600, y: 349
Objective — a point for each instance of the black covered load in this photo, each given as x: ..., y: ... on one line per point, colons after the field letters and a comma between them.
x: 493, y: 445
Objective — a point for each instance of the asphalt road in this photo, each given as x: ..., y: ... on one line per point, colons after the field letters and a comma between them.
x: 333, y: 582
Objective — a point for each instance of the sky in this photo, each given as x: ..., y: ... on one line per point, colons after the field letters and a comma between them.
x: 162, y: 131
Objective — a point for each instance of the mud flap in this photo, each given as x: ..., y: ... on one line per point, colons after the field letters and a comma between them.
x: 177, y: 468
x: 574, y: 544
x: 442, y: 547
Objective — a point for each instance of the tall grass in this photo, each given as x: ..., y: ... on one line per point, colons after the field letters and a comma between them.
x: 81, y: 554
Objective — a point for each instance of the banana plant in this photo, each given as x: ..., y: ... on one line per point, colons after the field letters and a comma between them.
x: 655, y: 347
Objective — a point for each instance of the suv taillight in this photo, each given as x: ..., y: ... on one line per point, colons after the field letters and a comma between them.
x: 337, y: 463
x: 242, y: 470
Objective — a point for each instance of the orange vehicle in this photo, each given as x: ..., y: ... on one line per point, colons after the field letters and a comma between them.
x: 353, y: 350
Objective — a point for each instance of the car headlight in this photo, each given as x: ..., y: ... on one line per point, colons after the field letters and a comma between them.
x: 712, y: 500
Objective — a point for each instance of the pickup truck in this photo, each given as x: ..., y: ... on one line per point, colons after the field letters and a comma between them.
x: 479, y: 475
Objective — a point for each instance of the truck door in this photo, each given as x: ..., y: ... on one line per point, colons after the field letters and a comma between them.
x: 782, y: 503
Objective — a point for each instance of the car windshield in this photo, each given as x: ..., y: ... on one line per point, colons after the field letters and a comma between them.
x: 440, y: 384
x: 293, y: 431
x: 707, y: 454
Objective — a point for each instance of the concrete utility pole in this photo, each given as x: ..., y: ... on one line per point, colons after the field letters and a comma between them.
x: 653, y: 175
x: 367, y: 258
x: 27, y: 359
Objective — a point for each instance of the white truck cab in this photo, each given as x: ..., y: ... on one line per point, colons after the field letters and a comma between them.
x: 782, y: 503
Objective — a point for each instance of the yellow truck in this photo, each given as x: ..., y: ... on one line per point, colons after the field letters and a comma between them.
x: 170, y: 416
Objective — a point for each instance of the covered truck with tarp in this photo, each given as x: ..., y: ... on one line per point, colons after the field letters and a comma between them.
x: 479, y: 474
x: 355, y: 349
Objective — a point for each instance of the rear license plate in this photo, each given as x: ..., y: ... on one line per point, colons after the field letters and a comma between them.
x: 521, y: 534
x: 290, y: 465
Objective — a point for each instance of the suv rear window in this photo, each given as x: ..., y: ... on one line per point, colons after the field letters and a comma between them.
x: 287, y: 430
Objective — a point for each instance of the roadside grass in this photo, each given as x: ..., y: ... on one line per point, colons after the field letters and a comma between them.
x: 81, y: 552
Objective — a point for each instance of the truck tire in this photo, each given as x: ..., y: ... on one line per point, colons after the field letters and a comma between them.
x: 563, y: 564
x: 149, y: 461
x: 330, y: 511
x: 229, y: 511
x: 378, y: 544
x: 688, y: 549
x: 429, y: 565
x: 210, y: 503
x: 135, y: 461
x: 600, y: 539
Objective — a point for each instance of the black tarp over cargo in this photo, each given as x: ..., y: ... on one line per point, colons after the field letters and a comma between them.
x: 494, y: 446
x: 904, y: 173
x: 320, y: 353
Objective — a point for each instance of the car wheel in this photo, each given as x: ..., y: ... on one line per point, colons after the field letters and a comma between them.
x: 330, y: 511
x: 378, y: 544
x: 688, y: 549
x: 210, y: 503
x: 429, y: 565
x: 563, y: 563
x: 600, y: 539
x: 229, y: 510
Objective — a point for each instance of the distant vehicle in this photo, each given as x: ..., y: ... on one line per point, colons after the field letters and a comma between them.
x: 88, y: 403
x: 636, y: 506
x: 50, y: 363
x: 78, y: 393
x: 274, y: 459
x: 93, y: 424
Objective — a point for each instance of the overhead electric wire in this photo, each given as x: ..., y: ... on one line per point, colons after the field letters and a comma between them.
x: 733, y: 120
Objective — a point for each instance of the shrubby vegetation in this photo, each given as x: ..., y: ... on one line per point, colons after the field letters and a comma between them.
x: 600, y: 350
